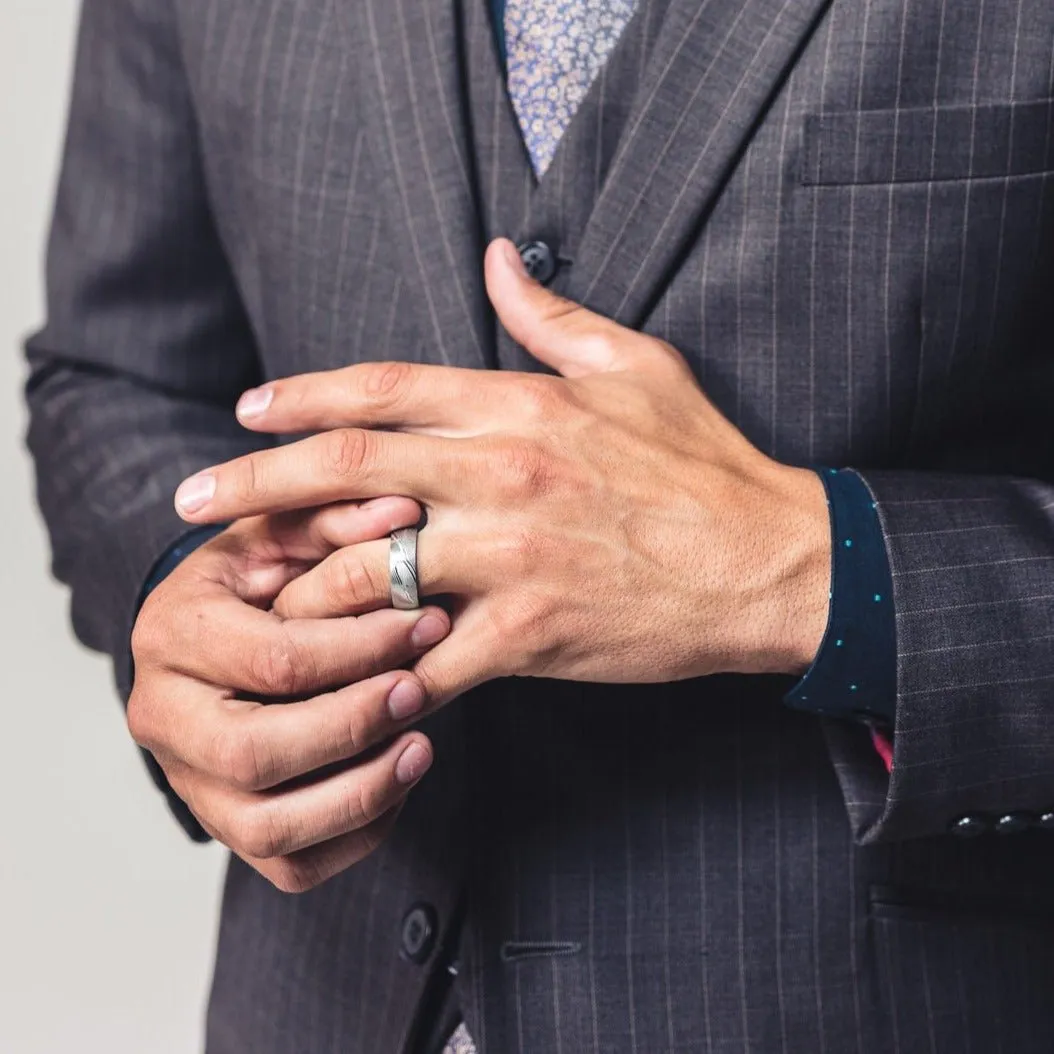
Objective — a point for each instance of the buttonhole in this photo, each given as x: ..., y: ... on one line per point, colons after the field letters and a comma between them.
x: 515, y: 951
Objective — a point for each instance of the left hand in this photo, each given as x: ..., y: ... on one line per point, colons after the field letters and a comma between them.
x: 605, y: 525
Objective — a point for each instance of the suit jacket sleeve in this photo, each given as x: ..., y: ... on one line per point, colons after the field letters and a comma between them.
x: 146, y: 346
x: 972, y: 560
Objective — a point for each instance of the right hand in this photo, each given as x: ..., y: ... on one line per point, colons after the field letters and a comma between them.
x: 208, y: 649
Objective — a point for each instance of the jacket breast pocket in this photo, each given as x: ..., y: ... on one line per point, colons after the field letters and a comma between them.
x: 929, y: 144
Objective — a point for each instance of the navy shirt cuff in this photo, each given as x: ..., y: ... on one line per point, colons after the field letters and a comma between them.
x: 175, y: 555
x: 854, y: 672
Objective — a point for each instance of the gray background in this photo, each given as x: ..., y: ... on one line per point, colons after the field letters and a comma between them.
x: 118, y: 959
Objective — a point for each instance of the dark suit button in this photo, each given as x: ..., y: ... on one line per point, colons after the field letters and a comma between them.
x: 1046, y: 822
x: 969, y: 826
x: 539, y: 260
x: 418, y: 936
x: 1013, y: 823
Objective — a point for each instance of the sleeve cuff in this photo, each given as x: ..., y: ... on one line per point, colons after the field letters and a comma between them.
x: 854, y: 673
x: 174, y: 555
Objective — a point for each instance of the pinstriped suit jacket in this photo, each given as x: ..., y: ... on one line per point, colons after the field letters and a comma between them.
x: 842, y: 213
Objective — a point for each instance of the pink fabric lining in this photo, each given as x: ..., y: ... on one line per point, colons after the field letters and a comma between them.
x: 884, y: 746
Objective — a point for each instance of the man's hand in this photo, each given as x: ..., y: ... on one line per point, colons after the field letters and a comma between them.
x: 606, y: 525
x: 207, y: 649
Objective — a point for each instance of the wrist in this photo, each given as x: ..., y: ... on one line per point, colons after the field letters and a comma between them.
x: 787, y: 627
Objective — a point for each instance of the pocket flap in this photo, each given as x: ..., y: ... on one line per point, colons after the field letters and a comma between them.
x: 928, y: 144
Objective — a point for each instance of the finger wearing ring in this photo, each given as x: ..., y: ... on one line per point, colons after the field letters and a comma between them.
x: 402, y: 569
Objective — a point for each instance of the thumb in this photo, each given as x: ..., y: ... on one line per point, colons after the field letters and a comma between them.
x: 565, y: 336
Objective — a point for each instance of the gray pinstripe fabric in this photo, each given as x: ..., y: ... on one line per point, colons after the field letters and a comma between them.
x: 843, y: 214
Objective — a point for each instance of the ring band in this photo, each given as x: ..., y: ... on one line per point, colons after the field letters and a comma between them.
x: 402, y: 569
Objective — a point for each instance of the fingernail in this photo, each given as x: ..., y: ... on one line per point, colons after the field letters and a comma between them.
x: 195, y: 493
x: 254, y: 402
x: 515, y: 260
x: 429, y: 630
x: 405, y: 699
x: 413, y: 764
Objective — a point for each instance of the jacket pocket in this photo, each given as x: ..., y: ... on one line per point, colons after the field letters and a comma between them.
x: 908, y: 904
x: 991, y: 140
x: 963, y: 974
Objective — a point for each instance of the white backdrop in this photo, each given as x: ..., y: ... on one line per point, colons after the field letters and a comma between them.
x: 107, y: 912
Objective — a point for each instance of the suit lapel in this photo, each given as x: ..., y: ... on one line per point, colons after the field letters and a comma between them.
x: 715, y: 67
x: 407, y: 58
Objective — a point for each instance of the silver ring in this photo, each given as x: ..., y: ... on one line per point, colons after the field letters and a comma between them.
x: 402, y: 569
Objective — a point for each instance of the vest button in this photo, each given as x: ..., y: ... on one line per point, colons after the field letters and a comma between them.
x: 539, y: 260
x: 418, y: 933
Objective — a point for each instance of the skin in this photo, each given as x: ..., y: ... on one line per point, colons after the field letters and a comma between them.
x: 604, y: 524
x: 556, y: 505
x: 208, y: 650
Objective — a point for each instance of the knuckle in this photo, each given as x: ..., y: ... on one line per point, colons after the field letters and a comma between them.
x: 147, y: 637
x: 241, y: 835
x: 524, y: 470
x: 294, y: 876
x: 240, y: 761
x: 671, y: 356
x: 354, y: 734
x: 540, y: 397
x: 262, y: 833
x: 385, y: 382
x: 533, y: 615
x: 523, y: 621
x: 182, y: 781
x: 431, y: 679
x: 361, y: 807
x: 286, y: 879
x: 352, y: 583
x: 140, y: 725
x: 598, y: 345
x: 250, y: 484
x: 518, y: 551
x: 277, y: 667
x: 345, y: 452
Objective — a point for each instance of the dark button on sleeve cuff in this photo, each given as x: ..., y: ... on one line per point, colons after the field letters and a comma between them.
x: 969, y: 826
x: 1013, y: 823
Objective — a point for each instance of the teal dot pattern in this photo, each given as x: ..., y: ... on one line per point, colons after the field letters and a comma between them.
x: 854, y: 673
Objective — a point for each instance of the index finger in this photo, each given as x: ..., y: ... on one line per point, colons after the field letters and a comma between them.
x: 445, y: 400
x: 349, y: 463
